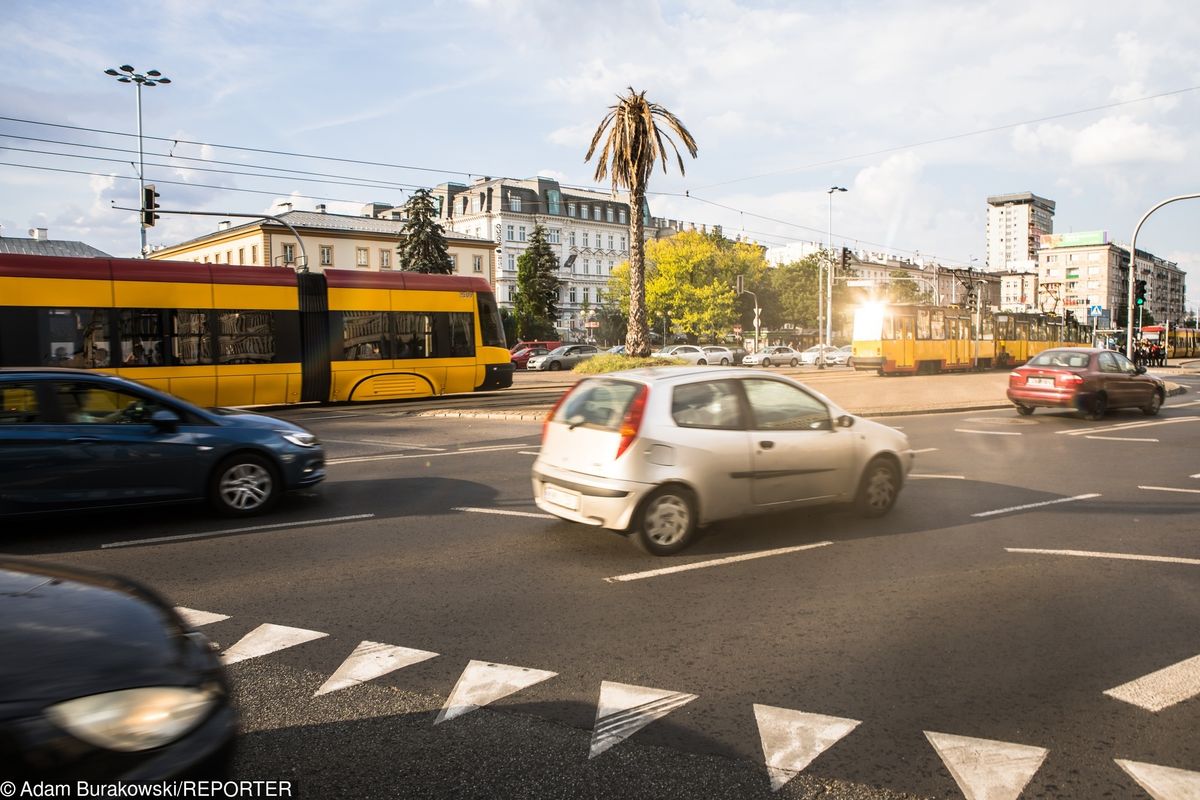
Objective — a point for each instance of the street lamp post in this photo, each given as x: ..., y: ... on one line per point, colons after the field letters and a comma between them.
x: 828, y: 334
x: 127, y: 74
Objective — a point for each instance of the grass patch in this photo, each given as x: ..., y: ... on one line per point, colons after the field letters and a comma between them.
x: 607, y: 362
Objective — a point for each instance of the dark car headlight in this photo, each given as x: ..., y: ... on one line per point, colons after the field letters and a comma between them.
x: 131, y: 720
x: 299, y: 438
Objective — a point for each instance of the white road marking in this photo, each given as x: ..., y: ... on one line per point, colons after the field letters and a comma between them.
x: 1163, y: 783
x: 986, y: 769
x: 1169, y: 489
x: 1120, y: 439
x: 381, y: 443
x: 300, y: 523
x: 1037, y: 505
x: 268, y: 638
x: 394, y: 456
x: 624, y: 710
x: 716, y: 562
x: 1188, y: 403
x: 1197, y: 475
x: 504, y: 512
x: 322, y: 417
x: 1117, y: 556
x: 488, y: 447
x: 482, y: 683
x: 1163, y: 688
x: 947, y: 477
x: 198, y: 618
x: 925, y: 450
x: 792, y: 739
x: 529, y: 452
x: 990, y: 433
x: 1124, y: 426
x: 371, y: 660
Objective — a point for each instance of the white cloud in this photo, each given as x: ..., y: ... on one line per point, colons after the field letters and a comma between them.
x: 1116, y: 140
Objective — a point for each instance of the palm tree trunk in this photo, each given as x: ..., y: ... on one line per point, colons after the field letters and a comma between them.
x: 637, y: 341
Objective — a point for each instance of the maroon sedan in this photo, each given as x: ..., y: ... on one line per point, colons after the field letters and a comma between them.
x: 521, y: 357
x: 1089, y: 380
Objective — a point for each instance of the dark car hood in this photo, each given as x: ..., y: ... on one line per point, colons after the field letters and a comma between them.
x: 67, y: 633
x: 252, y: 419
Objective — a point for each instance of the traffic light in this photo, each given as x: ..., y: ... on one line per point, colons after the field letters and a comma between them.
x: 1139, y: 293
x: 972, y: 301
x: 845, y: 258
x: 149, y: 203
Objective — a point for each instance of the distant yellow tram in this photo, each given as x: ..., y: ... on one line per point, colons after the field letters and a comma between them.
x: 894, y: 339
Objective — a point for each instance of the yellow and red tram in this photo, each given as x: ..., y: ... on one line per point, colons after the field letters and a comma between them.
x: 900, y: 339
x: 231, y: 335
x: 1180, y: 342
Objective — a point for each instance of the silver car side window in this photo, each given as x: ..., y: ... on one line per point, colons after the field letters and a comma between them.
x: 707, y: 404
x: 780, y: 406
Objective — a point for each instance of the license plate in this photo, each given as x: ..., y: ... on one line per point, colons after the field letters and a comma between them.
x: 1041, y: 381
x: 561, y: 497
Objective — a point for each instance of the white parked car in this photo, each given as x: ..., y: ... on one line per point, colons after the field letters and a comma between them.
x: 660, y: 452
x: 844, y: 356
x: 819, y: 353
x: 715, y: 354
x: 684, y: 352
x: 773, y: 356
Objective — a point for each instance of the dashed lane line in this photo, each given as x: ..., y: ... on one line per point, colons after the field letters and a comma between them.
x: 716, y: 562
x: 378, y: 443
x: 1117, y: 556
x: 1125, y: 426
x: 944, y: 477
x: 989, y: 433
x: 528, y: 452
x: 396, y: 456
x: 504, y: 512
x: 302, y: 523
x: 1169, y: 489
x: 1036, y: 505
x: 924, y: 450
x: 1120, y: 439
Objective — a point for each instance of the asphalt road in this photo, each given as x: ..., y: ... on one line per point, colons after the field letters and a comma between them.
x: 990, y: 604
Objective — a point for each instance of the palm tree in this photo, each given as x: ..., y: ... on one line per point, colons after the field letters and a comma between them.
x: 634, y: 144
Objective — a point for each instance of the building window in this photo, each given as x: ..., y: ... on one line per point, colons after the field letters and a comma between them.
x: 326, y: 255
x: 228, y: 256
x: 609, y: 211
x: 453, y: 262
x: 512, y: 261
x: 289, y: 253
x: 571, y: 294
x: 587, y: 266
x: 596, y: 213
x: 586, y: 240
x: 571, y: 238
x: 599, y: 295
x: 216, y: 258
x: 586, y: 292
x: 521, y: 234
x: 362, y: 257
x: 621, y: 216
x: 583, y: 212
x: 610, y: 241
x: 553, y: 201
x: 241, y: 255
x: 570, y: 209
x: 514, y: 203
x: 511, y: 231
x: 385, y: 258
x: 622, y: 242
x: 610, y: 266
x: 253, y: 254
x: 477, y: 263
x: 554, y: 236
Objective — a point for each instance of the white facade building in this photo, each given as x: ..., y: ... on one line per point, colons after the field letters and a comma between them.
x: 1015, y: 224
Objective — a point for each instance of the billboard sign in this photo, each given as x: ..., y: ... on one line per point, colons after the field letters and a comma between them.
x: 1074, y: 239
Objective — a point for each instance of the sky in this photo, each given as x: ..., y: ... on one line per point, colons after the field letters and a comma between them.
x: 920, y: 109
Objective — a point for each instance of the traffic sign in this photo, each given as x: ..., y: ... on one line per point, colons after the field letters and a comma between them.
x: 1096, y: 311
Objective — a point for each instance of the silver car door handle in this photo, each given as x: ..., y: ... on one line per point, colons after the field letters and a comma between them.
x: 766, y: 445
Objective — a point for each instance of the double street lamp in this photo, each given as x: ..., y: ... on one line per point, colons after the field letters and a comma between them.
x: 826, y: 336
x: 127, y: 74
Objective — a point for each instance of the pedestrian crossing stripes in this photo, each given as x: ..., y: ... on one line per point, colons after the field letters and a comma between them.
x: 983, y: 769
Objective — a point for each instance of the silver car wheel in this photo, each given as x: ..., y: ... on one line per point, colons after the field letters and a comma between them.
x: 879, y: 489
x: 245, y: 486
x: 667, y: 520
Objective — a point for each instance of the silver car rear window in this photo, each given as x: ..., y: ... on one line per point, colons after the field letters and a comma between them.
x: 598, y: 403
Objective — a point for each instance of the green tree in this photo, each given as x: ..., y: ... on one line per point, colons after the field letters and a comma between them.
x: 793, y: 287
x: 614, y: 326
x: 903, y: 289
x: 638, y: 131
x: 535, y: 301
x: 422, y: 245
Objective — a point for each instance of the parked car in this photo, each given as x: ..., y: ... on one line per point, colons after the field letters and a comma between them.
x: 72, y: 439
x: 565, y: 357
x: 660, y: 452
x: 619, y: 350
x: 521, y: 357
x: 684, y: 352
x: 844, y: 356
x: 776, y: 356
x: 819, y: 354
x: 549, y: 345
x: 722, y: 356
x: 108, y: 682
x: 1090, y: 380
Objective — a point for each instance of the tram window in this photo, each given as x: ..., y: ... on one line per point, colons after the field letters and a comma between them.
x: 461, y: 335
x: 362, y: 335
x: 937, y: 324
x: 922, y: 323
x: 141, y: 337
x: 191, y: 337
x: 889, y: 327
x: 75, y: 337
x: 1022, y: 330
x: 246, y: 337
x: 490, y: 325
x: 987, y: 325
x: 413, y: 335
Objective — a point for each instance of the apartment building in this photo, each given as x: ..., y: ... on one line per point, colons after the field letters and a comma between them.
x: 1015, y: 225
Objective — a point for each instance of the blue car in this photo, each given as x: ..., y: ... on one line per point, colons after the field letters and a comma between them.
x: 72, y: 439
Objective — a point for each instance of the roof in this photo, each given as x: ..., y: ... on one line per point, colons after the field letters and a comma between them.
x: 50, y: 247
x: 313, y: 220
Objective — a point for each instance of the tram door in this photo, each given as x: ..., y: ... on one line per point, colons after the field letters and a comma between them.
x: 906, y: 332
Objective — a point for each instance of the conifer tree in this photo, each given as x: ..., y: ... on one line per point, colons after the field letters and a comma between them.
x: 422, y: 245
x: 535, y: 302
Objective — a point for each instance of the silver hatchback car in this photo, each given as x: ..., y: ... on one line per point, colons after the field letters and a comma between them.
x: 660, y: 452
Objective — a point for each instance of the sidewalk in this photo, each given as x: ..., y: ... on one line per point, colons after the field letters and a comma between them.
x: 862, y: 393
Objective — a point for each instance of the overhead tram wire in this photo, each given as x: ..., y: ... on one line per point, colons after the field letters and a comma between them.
x: 951, y: 137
